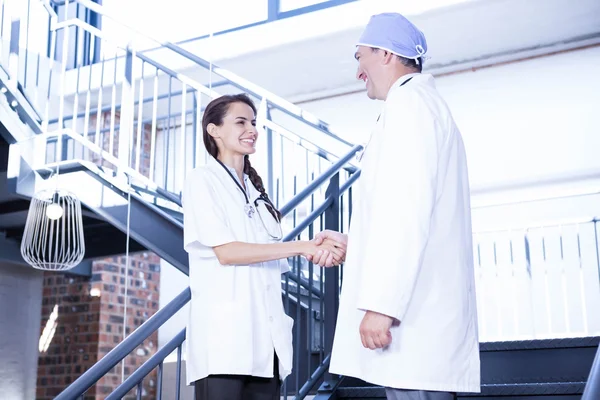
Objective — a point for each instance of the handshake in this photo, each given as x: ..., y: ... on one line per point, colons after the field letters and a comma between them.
x: 327, y: 249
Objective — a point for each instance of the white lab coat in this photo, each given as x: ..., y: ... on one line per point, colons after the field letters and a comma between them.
x: 410, y: 251
x: 236, y: 316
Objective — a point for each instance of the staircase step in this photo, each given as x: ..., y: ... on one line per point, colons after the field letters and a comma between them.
x: 565, y: 390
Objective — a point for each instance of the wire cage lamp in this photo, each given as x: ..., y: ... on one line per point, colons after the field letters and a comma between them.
x: 53, y: 237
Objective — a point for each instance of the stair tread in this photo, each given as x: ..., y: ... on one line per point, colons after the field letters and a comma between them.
x: 511, y: 389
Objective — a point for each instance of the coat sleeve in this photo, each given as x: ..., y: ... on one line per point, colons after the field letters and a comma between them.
x: 401, y: 201
x: 204, y: 218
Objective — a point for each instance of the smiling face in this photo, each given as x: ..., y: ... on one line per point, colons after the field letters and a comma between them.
x: 371, y: 70
x: 237, y: 134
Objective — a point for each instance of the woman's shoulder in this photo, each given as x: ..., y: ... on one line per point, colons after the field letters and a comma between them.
x: 200, y: 174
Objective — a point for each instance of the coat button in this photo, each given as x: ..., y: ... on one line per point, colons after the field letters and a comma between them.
x: 271, y: 319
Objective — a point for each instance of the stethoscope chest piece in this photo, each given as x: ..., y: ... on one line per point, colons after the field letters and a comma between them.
x: 249, y: 209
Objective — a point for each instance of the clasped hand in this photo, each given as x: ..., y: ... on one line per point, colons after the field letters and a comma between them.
x: 329, y: 249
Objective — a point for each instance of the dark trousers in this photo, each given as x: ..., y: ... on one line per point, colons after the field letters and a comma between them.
x: 239, y: 387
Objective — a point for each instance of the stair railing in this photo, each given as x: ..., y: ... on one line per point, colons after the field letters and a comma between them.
x: 145, y: 116
x: 310, y: 297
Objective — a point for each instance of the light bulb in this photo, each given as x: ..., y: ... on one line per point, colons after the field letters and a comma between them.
x: 54, y: 211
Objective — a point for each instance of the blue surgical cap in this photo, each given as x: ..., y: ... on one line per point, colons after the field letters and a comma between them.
x: 394, y: 33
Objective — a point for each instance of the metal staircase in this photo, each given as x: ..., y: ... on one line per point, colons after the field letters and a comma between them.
x: 121, y: 128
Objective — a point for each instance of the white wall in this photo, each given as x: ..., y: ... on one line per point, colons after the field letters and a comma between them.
x: 527, y: 120
x: 20, y: 315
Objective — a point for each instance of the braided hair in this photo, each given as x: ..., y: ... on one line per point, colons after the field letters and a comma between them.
x: 214, y: 114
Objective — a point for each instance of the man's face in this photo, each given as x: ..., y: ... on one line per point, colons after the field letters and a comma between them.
x: 369, y: 70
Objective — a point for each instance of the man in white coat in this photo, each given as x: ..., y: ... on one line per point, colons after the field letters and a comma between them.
x: 407, y: 318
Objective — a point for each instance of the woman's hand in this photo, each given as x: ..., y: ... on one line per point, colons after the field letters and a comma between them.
x: 339, y: 240
x: 327, y: 248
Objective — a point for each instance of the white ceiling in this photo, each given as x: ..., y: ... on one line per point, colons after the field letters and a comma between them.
x: 460, y: 37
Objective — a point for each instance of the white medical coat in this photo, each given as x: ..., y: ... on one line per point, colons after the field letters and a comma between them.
x: 410, y: 251
x: 236, y: 316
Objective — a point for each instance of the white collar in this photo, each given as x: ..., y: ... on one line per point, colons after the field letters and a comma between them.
x: 400, y: 81
x: 215, y: 165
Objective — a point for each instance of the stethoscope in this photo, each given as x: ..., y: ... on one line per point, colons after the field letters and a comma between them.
x: 249, y: 208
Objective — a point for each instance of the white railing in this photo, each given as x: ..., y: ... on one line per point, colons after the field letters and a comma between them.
x: 539, y: 282
x: 135, y: 114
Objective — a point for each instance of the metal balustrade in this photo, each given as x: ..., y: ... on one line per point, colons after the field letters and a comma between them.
x: 134, y: 113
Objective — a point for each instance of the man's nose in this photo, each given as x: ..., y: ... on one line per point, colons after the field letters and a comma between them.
x: 360, y: 74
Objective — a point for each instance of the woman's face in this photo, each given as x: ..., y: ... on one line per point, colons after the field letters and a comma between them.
x: 237, y: 134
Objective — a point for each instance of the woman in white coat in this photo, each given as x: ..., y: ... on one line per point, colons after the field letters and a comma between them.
x: 239, y: 339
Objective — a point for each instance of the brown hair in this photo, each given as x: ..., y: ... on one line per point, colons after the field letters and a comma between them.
x: 214, y: 114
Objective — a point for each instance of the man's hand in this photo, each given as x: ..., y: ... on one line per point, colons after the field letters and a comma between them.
x: 375, y: 330
x: 325, y: 259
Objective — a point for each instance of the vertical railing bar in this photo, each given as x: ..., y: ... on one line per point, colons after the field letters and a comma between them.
x: 332, y: 276
x: 113, y: 106
x: 153, y: 134
x: 61, y: 106
x: 139, y: 391
x: 287, y: 308
x: 128, y: 104
x: 76, y: 36
x: 183, y: 141
x: 514, y: 286
x: 322, y: 303
x: 76, y: 97
x: 99, y: 105
x: 138, y: 147
x: 309, y: 315
x: 546, y: 285
x: 178, y: 376
x: 159, y: 382
x: 582, y: 284
x: 167, y: 137
x: 53, y: 40
x: 27, y: 42
x: 298, y: 324
x: 270, y: 172
x: 342, y: 231
x: 1, y: 24
x: 86, y: 118
x: 564, y: 281
x: 282, y: 170
x: 195, y: 125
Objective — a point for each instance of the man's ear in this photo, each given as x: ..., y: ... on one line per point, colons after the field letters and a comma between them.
x: 212, y: 130
x: 387, y: 57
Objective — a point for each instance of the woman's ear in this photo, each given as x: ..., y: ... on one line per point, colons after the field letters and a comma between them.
x: 212, y: 130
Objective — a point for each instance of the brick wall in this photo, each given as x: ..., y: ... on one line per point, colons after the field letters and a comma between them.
x: 88, y: 327
x: 142, y: 302
x: 73, y: 347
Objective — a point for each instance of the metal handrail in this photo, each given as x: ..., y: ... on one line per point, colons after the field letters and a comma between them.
x: 237, y: 81
x: 592, y: 386
x: 102, y: 367
x: 87, y: 380
x: 314, y: 378
x: 314, y: 185
x: 147, y: 367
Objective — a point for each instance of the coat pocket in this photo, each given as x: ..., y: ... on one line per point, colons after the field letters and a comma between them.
x: 229, y: 339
